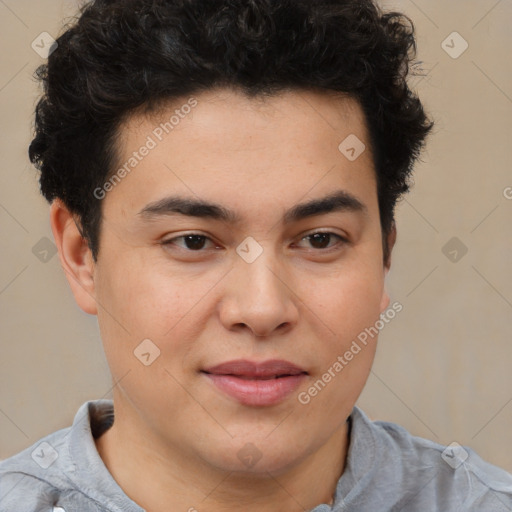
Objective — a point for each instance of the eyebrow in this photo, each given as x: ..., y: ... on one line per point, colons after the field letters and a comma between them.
x: 338, y: 201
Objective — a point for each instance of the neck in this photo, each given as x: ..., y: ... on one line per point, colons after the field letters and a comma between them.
x: 161, y: 477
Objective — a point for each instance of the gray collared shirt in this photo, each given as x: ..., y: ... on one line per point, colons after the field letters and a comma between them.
x: 387, y: 470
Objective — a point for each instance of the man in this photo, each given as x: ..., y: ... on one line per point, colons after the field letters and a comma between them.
x: 222, y: 177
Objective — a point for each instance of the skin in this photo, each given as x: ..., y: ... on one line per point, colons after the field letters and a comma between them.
x: 175, y: 441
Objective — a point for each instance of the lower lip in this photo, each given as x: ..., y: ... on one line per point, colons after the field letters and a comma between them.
x: 257, y: 392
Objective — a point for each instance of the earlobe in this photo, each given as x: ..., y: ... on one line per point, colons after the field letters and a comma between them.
x: 384, y: 301
x: 75, y: 256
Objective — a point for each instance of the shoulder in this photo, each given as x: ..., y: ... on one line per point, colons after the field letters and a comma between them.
x: 425, y: 471
x: 56, y: 470
x: 34, y: 478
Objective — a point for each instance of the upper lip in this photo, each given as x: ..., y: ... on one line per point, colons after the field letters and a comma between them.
x: 246, y: 368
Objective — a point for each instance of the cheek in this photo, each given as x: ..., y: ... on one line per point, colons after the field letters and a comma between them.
x: 350, y: 307
x: 144, y: 298
x: 348, y: 303
x: 141, y: 302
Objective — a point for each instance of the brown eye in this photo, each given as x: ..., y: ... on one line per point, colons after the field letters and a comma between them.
x: 321, y: 240
x: 192, y: 242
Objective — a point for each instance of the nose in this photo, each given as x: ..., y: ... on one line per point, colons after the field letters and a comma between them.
x: 259, y: 296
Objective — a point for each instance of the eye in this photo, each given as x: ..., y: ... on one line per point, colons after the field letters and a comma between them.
x: 320, y: 240
x: 194, y: 242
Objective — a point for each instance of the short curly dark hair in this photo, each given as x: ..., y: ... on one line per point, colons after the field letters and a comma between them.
x: 121, y: 56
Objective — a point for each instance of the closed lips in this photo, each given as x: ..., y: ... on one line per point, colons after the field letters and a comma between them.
x: 256, y: 377
x: 256, y: 384
x: 245, y: 369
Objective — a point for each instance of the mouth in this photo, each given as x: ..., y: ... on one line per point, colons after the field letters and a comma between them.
x: 256, y: 384
x: 254, y: 377
x: 244, y: 368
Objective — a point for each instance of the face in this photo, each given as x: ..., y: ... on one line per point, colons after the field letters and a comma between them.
x: 252, y: 281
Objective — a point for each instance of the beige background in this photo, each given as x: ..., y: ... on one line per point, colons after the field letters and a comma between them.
x: 443, y: 368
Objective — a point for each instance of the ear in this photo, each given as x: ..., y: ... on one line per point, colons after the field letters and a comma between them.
x: 75, y: 256
x: 391, y: 239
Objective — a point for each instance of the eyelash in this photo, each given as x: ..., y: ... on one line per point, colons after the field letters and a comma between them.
x: 342, y: 241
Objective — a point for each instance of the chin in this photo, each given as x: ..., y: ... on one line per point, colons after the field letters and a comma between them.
x: 260, y: 457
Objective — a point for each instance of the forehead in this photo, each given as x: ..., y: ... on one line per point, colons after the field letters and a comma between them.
x: 230, y: 115
x: 254, y: 147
